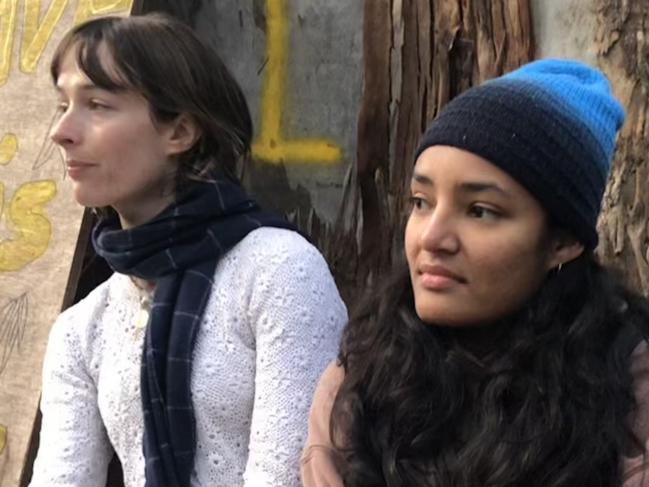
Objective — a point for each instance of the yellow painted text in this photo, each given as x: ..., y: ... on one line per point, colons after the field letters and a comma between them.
x: 271, y: 145
x: 26, y: 219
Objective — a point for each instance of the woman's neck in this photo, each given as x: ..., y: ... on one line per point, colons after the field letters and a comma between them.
x: 137, y: 212
x: 480, y: 341
x: 143, y: 284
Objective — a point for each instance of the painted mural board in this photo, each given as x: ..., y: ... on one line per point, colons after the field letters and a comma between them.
x: 39, y: 220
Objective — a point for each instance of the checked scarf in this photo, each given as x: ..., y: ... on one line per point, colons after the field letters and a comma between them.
x: 179, y: 250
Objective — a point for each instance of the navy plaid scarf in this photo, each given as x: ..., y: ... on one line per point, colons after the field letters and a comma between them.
x: 178, y: 250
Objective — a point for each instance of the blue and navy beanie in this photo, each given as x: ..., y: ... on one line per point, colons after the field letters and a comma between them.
x: 551, y: 125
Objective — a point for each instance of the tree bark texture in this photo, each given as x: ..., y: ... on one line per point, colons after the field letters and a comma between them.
x: 623, y: 54
x: 418, y: 54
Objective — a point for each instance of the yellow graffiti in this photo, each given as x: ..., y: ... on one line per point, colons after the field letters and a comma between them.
x: 90, y: 8
x: 38, y: 29
x: 271, y: 145
x: 24, y: 214
x: 7, y: 21
x: 27, y: 220
x: 3, y: 438
x: 35, y: 35
x: 8, y: 148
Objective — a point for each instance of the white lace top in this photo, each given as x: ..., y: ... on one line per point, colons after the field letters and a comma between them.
x: 270, y: 327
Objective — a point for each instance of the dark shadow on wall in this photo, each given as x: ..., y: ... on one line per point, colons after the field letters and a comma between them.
x: 270, y: 187
x: 184, y: 10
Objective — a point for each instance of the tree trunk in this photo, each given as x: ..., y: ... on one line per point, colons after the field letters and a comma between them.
x: 623, y: 50
x: 418, y: 54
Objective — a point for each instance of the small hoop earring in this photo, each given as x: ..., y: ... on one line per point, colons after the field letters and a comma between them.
x: 559, y: 267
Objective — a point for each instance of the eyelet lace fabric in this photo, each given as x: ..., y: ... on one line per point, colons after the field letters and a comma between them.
x: 270, y: 327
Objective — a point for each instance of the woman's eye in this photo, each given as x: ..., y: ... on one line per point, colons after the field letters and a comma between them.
x: 97, y: 105
x: 417, y: 203
x: 61, y: 107
x: 483, y: 213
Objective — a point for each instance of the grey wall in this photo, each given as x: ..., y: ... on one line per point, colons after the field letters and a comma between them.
x: 322, y: 85
x: 321, y: 90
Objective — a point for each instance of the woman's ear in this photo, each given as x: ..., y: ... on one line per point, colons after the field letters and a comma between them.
x: 564, y: 248
x: 182, y: 133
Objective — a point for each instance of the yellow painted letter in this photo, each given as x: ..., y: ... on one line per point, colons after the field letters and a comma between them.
x: 32, y: 228
x: 35, y: 34
x: 7, y: 29
x: 3, y: 438
x: 271, y: 145
x: 90, y: 8
x: 8, y: 148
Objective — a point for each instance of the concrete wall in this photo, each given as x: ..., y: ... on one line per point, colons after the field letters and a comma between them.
x: 306, y: 87
x: 299, y: 63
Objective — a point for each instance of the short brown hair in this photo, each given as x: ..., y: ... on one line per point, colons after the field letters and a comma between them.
x: 176, y: 72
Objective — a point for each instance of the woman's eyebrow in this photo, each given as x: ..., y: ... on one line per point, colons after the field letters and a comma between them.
x: 83, y: 86
x: 483, y: 186
x: 467, y: 186
x: 421, y: 179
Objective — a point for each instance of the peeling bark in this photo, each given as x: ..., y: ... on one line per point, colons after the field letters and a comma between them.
x: 623, y: 52
x: 418, y: 54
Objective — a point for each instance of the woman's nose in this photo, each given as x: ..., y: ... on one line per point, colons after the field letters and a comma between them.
x: 66, y: 130
x: 440, y: 232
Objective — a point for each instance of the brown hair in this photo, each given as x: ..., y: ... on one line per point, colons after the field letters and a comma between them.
x: 164, y: 60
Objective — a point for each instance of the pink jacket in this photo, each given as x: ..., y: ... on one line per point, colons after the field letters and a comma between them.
x: 317, y: 464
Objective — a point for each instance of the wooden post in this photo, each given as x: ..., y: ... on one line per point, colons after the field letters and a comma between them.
x: 418, y: 54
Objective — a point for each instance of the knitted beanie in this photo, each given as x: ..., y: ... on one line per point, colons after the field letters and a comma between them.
x: 551, y: 125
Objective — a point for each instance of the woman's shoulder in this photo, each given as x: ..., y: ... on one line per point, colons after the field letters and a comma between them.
x: 635, y: 469
x: 277, y: 273
x: 80, y: 321
x: 330, y: 380
x: 318, y: 462
x: 323, y: 400
x: 270, y: 253
x: 274, y: 243
x: 97, y: 298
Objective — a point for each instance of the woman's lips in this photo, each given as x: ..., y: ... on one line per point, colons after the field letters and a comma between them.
x: 438, y: 278
x: 76, y: 169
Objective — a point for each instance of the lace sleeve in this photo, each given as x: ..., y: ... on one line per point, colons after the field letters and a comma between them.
x: 297, y: 322
x: 74, y: 450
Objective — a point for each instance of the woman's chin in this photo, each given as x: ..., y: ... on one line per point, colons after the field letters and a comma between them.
x: 89, y: 199
x: 448, y: 317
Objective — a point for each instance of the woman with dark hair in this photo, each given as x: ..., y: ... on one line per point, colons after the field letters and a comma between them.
x: 196, y: 361
x: 503, y: 353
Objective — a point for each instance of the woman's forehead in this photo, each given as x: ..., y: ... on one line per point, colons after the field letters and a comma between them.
x: 96, y: 61
x: 440, y: 161
x: 465, y: 172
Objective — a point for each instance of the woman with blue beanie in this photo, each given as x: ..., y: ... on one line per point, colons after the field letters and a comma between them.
x: 502, y: 353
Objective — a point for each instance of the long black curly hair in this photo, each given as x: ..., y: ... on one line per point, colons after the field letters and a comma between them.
x: 542, y: 398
